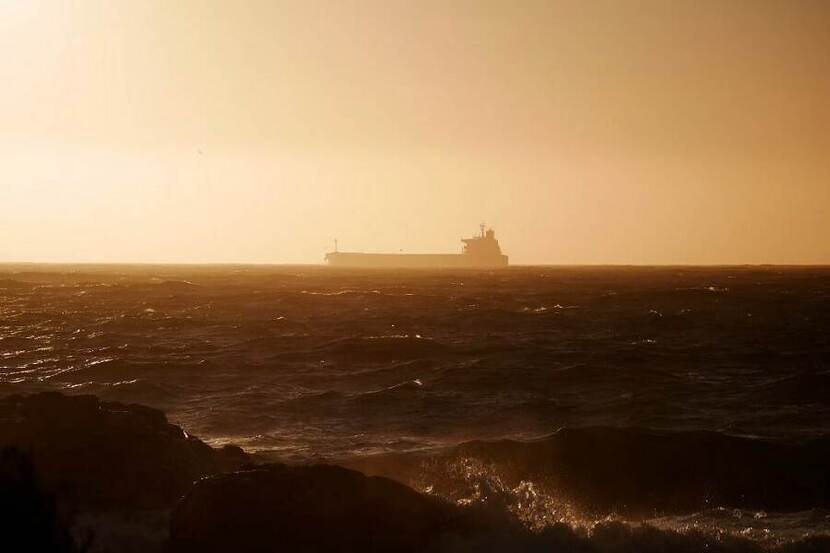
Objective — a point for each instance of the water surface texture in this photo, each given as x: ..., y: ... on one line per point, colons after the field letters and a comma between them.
x: 306, y: 363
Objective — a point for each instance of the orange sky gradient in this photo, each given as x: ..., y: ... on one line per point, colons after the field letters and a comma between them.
x: 610, y: 131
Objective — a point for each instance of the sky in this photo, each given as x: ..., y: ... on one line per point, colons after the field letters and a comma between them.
x: 601, y: 132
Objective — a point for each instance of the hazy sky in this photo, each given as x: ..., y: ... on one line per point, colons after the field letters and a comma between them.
x: 615, y: 131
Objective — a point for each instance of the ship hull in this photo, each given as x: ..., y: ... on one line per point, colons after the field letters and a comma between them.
x: 420, y: 261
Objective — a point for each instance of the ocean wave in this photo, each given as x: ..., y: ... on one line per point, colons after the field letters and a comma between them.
x: 346, y: 292
x: 807, y: 386
x: 173, y: 284
x: 396, y: 391
x: 13, y: 284
x: 630, y: 471
x: 383, y: 348
x: 620, y: 537
x: 109, y: 370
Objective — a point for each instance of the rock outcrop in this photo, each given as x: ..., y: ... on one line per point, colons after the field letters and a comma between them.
x: 29, y: 517
x: 103, y: 456
x: 310, y: 508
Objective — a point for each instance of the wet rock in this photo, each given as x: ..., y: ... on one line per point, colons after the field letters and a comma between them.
x: 29, y: 517
x: 311, y: 508
x: 104, y: 456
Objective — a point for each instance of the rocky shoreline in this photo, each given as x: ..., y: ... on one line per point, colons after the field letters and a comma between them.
x: 80, y: 474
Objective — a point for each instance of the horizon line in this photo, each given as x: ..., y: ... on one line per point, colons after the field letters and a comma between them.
x: 323, y: 264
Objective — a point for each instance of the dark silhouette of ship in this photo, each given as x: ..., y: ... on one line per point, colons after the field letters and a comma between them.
x: 480, y: 251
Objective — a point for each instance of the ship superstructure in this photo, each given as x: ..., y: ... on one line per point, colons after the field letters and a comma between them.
x: 481, y: 251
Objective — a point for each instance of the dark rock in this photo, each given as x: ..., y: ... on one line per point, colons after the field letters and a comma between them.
x: 312, y: 508
x: 103, y: 456
x: 29, y: 517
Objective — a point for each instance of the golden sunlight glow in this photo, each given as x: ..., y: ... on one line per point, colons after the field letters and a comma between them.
x: 583, y: 132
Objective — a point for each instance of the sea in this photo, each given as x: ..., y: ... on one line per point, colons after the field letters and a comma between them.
x: 314, y: 364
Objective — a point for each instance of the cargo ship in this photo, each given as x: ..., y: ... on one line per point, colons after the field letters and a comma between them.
x: 480, y: 251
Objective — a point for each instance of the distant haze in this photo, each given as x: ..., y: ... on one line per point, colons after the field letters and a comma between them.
x: 670, y: 131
